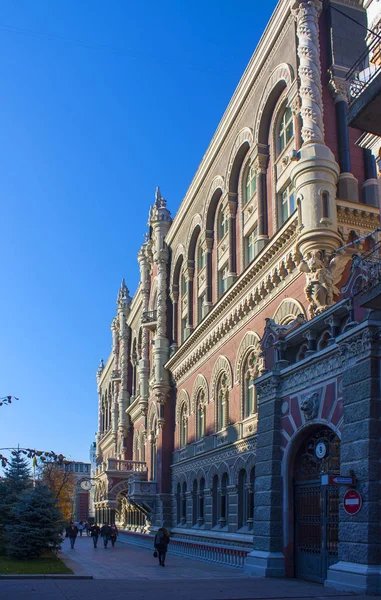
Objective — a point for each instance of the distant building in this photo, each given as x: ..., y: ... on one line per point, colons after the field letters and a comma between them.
x: 247, y: 364
x: 93, y: 463
x: 81, y: 500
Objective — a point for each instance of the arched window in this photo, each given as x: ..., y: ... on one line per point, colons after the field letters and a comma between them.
x: 222, y: 402
x: 195, y: 502
x: 153, y: 454
x: 250, y: 373
x: 142, y: 452
x: 242, y: 499
x: 250, y: 499
x: 215, y: 501
x: 223, y: 500
x: 201, y: 502
x: 223, y: 275
x: 184, y: 505
x: 285, y: 129
x: 178, y: 504
x: 250, y: 187
x: 200, y: 415
x: 201, y: 262
x: 134, y: 362
x: 183, y: 425
x: 223, y: 223
x: 183, y: 306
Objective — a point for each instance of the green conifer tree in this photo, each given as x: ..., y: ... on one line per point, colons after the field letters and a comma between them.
x: 17, y: 474
x: 36, y: 525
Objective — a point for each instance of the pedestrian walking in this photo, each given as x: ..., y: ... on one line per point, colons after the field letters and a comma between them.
x: 88, y: 528
x: 81, y: 527
x: 161, y: 544
x: 114, y: 534
x: 95, y: 532
x: 105, y: 533
x: 71, y: 533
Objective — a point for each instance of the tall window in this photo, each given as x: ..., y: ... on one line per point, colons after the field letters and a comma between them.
x: 250, y: 374
x: 183, y: 426
x: 250, y: 499
x: 200, y: 257
x: 200, y: 415
x: 287, y: 203
x: 250, y: 184
x: 215, y: 500
x: 178, y: 503
x: 195, y: 502
x: 184, y: 505
x: 286, y: 129
x: 223, y: 224
x: 242, y: 499
x: 222, y: 402
x: 201, y: 502
x: 223, y: 500
x: 223, y: 279
x: 250, y: 245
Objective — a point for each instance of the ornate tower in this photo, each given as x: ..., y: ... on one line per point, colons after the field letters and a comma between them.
x: 124, y: 307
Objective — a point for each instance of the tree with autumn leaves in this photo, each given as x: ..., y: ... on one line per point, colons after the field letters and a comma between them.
x: 61, y: 483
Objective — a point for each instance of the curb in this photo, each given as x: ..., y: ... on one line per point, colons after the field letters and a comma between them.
x: 47, y: 576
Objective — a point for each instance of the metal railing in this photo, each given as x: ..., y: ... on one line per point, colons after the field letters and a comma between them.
x: 364, y: 70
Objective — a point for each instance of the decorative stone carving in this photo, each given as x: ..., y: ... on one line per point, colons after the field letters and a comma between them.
x: 322, y: 274
x: 309, y: 406
x: 307, y: 14
x: 338, y: 88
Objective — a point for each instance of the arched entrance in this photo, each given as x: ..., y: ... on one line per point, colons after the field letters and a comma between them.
x: 316, y: 507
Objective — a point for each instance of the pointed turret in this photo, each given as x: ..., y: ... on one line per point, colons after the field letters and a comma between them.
x: 100, y: 368
x: 124, y: 298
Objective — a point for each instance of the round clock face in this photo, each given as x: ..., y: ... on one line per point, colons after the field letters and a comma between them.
x: 85, y: 485
x: 320, y: 450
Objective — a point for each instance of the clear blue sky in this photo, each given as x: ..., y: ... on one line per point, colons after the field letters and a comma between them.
x: 100, y: 102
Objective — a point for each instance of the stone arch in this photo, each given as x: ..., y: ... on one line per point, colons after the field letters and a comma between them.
x: 251, y: 341
x: 176, y: 263
x: 215, y: 192
x: 211, y: 473
x: 239, y: 464
x: 222, y: 365
x: 199, y: 384
x: 222, y: 469
x: 242, y: 143
x: 195, y: 229
x: 201, y: 475
x: 288, y: 310
x: 152, y: 416
x: 122, y: 486
x: 182, y: 398
x: 281, y: 78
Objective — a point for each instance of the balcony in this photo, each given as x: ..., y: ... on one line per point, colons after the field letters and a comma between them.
x: 149, y: 319
x: 364, y: 86
x: 111, y: 466
x: 369, y: 265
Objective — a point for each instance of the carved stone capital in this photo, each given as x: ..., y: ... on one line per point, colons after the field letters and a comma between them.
x: 339, y: 89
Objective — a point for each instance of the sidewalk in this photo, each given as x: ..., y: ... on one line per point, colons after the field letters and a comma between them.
x: 128, y: 572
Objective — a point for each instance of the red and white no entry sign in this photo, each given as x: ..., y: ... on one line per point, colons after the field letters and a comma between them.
x: 352, y: 502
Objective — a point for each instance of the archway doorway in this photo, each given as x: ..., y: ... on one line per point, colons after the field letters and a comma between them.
x: 316, y: 507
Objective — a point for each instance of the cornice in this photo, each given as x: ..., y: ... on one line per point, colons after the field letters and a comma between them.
x: 265, y: 45
x: 358, y: 215
x: 106, y: 373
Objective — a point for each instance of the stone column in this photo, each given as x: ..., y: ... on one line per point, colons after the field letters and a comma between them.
x: 123, y: 304
x: 347, y: 186
x: 295, y: 107
x: 316, y: 172
x: 267, y: 560
x: 358, y: 569
x: 261, y: 163
x: 232, y: 516
x: 190, y: 287
x: 370, y: 189
x: 208, y: 508
x: 232, y: 211
x: 175, y: 315
x: 144, y: 366
x: 209, y: 241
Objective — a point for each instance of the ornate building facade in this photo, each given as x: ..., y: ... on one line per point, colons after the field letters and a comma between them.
x: 240, y: 351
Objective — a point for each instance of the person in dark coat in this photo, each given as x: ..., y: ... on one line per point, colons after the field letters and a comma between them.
x: 114, y: 534
x: 161, y: 544
x: 105, y: 533
x: 71, y: 533
x: 95, y: 532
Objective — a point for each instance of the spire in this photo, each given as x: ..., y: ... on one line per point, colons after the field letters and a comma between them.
x: 100, y: 368
x: 160, y: 202
x: 124, y: 297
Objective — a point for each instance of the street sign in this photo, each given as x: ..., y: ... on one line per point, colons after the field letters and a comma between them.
x: 337, y: 480
x: 352, y: 502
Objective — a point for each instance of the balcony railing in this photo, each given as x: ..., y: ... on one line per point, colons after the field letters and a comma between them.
x: 149, y: 316
x: 123, y: 466
x: 364, y: 70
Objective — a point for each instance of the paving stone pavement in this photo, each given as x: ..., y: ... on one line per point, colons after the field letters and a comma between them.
x: 130, y: 572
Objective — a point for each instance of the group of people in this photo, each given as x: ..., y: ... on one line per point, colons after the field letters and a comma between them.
x: 107, y: 532
x: 110, y: 533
